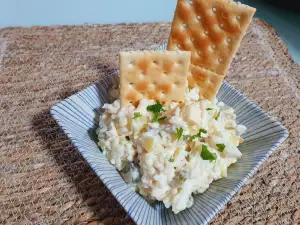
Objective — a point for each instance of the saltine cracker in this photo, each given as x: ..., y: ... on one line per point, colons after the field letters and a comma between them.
x: 158, y: 75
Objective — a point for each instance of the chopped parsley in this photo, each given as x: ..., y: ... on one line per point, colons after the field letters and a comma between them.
x: 220, y: 147
x: 217, y: 117
x: 208, y: 109
x: 136, y: 115
x: 156, y: 109
x: 198, y: 135
x: 203, y: 131
x: 171, y: 159
x: 181, y: 177
x: 155, y: 116
x: 207, y: 155
x: 179, y: 132
x: 185, y: 137
x: 190, y: 87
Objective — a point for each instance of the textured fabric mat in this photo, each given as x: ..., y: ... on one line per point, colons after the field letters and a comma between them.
x: 44, y: 180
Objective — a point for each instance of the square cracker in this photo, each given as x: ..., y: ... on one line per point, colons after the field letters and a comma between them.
x: 159, y: 75
x: 207, y: 81
x: 211, y: 29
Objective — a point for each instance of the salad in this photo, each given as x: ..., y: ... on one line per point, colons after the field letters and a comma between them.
x: 169, y: 151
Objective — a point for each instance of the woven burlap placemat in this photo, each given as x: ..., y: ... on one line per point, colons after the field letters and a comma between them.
x: 43, y: 178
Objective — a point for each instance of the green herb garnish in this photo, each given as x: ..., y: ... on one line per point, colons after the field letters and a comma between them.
x: 186, y: 137
x: 203, y: 131
x: 171, y: 159
x: 155, y: 116
x: 208, y: 109
x: 198, y: 135
x: 217, y: 117
x: 136, y: 115
x: 156, y: 109
x: 179, y: 132
x: 161, y: 118
x: 220, y: 147
x: 207, y: 155
x: 190, y: 87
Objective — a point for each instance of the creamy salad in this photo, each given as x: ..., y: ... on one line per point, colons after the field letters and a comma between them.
x: 169, y: 151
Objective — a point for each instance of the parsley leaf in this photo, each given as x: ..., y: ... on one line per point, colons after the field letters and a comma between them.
x: 217, y: 117
x: 156, y: 108
x: 161, y: 118
x: 198, y: 135
x: 208, y: 109
x: 207, y: 155
x: 156, y: 119
x: 171, y: 159
x: 155, y: 116
x: 186, y: 137
x: 159, y: 134
x: 136, y: 115
x: 181, y: 177
x: 179, y: 132
x: 203, y: 131
x: 220, y: 147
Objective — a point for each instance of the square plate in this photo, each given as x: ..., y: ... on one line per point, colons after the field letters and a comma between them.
x: 78, y: 117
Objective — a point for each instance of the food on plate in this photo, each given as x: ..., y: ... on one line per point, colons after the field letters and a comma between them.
x: 160, y: 75
x: 207, y: 81
x: 167, y: 133
x: 212, y: 30
x: 168, y: 151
